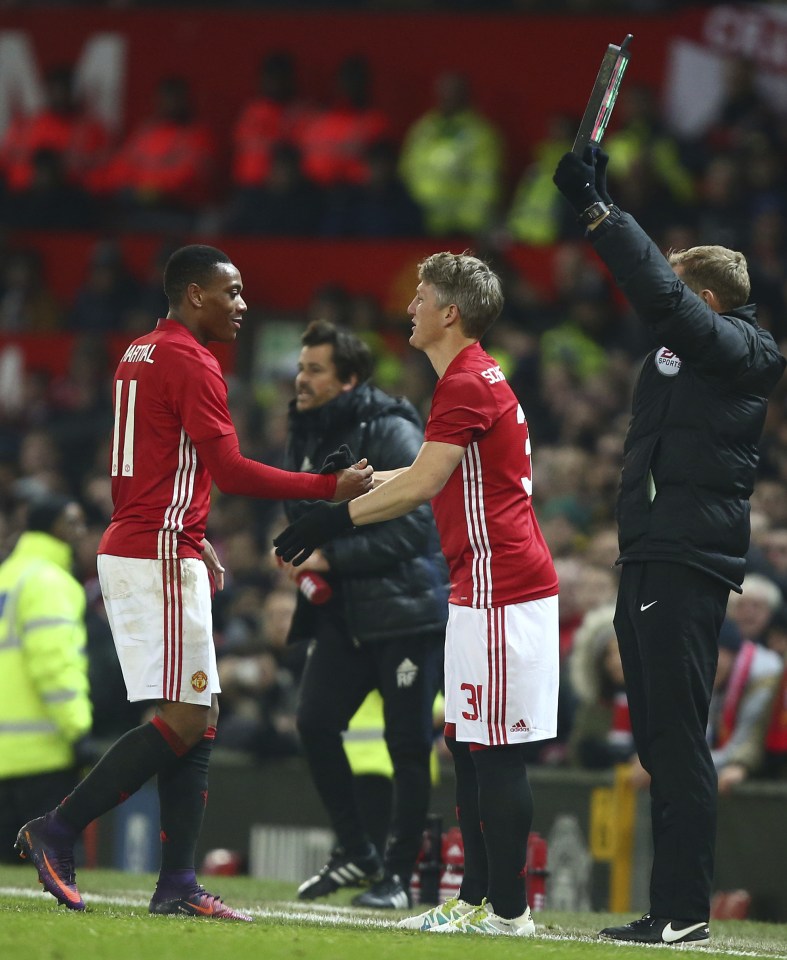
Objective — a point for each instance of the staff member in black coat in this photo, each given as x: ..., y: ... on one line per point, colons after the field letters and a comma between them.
x: 689, y: 466
x: 383, y: 627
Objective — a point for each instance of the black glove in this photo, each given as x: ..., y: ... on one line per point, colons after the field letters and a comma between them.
x: 602, y: 159
x: 324, y: 522
x: 341, y: 459
x: 575, y: 178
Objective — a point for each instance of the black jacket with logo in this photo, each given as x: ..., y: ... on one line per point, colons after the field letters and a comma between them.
x: 698, y: 411
x: 390, y: 579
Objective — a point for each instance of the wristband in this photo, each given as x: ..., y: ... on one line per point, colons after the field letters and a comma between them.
x: 592, y: 213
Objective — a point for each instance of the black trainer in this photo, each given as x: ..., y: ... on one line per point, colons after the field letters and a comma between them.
x: 343, y: 871
x: 386, y: 894
x: 652, y: 930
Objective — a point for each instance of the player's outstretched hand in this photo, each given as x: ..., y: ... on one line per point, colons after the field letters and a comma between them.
x: 354, y: 481
x: 575, y: 178
x: 323, y: 522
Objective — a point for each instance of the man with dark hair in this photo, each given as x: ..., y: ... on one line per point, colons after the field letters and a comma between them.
x: 381, y: 630
x: 689, y: 464
x: 501, y: 645
x: 45, y: 710
x: 172, y: 438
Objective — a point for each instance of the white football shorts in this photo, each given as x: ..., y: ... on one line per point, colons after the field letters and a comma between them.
x: 162, y: 624
x: 501, y: 672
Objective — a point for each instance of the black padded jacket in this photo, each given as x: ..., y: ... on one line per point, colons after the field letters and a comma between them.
x: 698, y: 411
x: 390, y: 579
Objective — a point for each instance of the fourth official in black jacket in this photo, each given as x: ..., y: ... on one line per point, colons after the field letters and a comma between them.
x: 689, y: 466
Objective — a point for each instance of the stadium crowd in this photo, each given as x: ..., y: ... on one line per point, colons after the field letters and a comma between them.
x: 299, y: 169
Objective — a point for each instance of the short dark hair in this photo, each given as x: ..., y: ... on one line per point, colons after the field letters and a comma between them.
x: 350, y: 354
x: 192, y: 264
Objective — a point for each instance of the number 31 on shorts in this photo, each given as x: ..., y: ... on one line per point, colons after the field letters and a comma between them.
x: 474, y: 700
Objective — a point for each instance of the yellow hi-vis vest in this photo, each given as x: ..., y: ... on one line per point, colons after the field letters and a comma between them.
x: 364, y: 740
x: 45, y: 706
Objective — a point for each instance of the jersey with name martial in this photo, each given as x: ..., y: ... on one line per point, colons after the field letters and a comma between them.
x: 488, y: 530
x: 169, y: 395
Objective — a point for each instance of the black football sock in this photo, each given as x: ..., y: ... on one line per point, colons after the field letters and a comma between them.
x: 183, y: 795
x: 474, y: 881
x: 129, y: 763
x: 505, y: 803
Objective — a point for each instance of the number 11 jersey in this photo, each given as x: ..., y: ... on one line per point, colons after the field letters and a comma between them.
x: 168, y: 395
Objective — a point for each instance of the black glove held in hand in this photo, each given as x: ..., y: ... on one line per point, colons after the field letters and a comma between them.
x: 341, y: 459
x: 575, y: 178
x: 602, y: 159
x: 304, y: 535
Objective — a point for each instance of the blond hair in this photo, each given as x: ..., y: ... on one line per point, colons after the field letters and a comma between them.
x: 469, y: 283
x: 715, y: 268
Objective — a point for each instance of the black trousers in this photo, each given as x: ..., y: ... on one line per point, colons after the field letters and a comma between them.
x: 337, y: 678
x: 667, y: 623
x: 24, y: 798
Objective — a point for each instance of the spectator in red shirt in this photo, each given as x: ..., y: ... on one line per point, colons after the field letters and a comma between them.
x: 335, y: 142
x: 64, y: 126
x: 276, y: 114
x: 164, y: 170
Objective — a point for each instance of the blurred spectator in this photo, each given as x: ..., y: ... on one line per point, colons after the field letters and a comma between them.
x: 601, y: 732
x: 451, y: 162
x: 746, y: 678
x: 641, y: 142
x: 164, y: 169
x: 49, y: 201
x: 773, y: 543
x: 107, y: 296
x: 752, y: 610
x: 45, y: 715
x: 39, y: 464
x: 287, y: 204
x: 776, y: 632
x: 721, y: 213
x: 151, y: 301
x: 63, y: 126
x: 259, y: 685
x: 380, y: 206
x: 274, y: 116
x: 774, y: 744
x: 26, y: 305
x: 743, y: 114
x: 537, y: 215
x: 335, y: 141
x: 82, y: 407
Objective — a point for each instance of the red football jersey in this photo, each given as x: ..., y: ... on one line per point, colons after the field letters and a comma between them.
x: 169, y: 394
x: 488, y: 530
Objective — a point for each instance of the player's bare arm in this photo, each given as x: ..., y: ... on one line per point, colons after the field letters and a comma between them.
x: 353, y: 481
x: 382, y: 476
x: 409, y: 487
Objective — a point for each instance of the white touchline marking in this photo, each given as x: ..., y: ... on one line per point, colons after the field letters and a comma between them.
x: 345, y: 916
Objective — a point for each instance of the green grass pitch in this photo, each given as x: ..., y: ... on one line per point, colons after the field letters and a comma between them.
x: 117, y: 926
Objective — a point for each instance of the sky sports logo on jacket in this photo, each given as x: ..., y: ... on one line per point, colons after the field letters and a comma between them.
x: 667, y: 364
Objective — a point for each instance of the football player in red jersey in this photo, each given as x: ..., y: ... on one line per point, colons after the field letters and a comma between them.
x: 501, y: 653
x: 173, y: 437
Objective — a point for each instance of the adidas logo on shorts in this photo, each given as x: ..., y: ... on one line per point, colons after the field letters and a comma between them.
x: 519, y: 727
